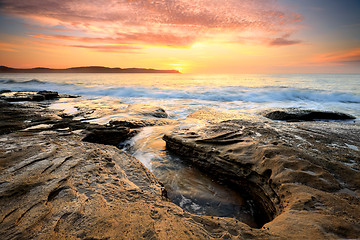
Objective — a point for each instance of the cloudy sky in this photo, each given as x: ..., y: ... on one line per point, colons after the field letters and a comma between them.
x: 195, y: 36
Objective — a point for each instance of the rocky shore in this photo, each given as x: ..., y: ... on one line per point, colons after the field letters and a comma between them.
x: 304, y: 177
x: 66, y: 179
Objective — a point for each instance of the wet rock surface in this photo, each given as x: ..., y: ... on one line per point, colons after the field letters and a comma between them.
x: 115, y: 112
x: 304, y: 177
x: 147, y: 110
x: 53, y: 185
x: 107, y: 135
x: 22, y: 96
x: 295, y: 115
x: 140, y: 123
x: 14, y: 118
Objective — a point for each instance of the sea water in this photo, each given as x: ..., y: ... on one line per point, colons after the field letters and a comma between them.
x: 245, y: 93
x: 183, y: 94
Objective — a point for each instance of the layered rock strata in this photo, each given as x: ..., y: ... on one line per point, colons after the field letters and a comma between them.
x: 303, y: 177
x: 53, y: 185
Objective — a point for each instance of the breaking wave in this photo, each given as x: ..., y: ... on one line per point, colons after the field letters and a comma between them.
x: 223, y: 94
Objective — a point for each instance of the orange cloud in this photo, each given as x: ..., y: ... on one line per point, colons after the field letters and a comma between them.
x: 109, y: 48
x: 167, y: 39
x: 7, y: 47
x: 341, y: 57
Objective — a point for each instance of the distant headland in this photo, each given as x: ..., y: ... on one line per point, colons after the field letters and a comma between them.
x: 89, y: 69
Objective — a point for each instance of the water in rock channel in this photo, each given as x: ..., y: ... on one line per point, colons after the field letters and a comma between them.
x: 187, y: 187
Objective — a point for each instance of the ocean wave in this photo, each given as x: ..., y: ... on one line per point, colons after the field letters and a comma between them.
x: 229, y: 94
x: 223, y: 94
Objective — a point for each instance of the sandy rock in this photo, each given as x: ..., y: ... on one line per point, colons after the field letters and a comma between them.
x: 147, y: 110
x: 16, y: 96
x: 53, y: 185
x: 13, y: 117
x: 303, y: 177
x: 211, y: 116
x: 28, y: 96
x: 140, y: 123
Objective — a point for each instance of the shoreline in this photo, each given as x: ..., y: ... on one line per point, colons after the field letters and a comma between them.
x: 307, y: 170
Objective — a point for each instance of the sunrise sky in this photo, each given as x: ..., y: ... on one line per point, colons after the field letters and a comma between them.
x: 192, y: 36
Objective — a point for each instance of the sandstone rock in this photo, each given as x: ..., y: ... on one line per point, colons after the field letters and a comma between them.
x: 139, y: 123
x: 212, y: 116
x: 55, y: 186
x: 293, y: 114
x: 92, y: 108
x: 303, y: 177
x: 16, y: 96
x: 28, y: 96
x: 16, y: 117
x: 68, y: 96
x: 147, y: 110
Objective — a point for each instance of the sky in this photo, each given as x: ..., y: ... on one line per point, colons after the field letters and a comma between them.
x: 192, y: 36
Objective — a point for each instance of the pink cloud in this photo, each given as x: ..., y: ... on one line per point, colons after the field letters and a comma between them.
x: 166, y: 22
x: 127, y: 38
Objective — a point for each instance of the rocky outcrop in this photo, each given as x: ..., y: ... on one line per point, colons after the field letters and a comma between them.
x: 48, y: 95
x: 209, y: 115
x: 53, y: 185
x: 106, y: 135
x: 147, y: 110
x: 294, y: 114
x: 117, y: 113
x: 15, y: 117
x: 303, y: 177
x: 140, y: 123
x: 23, y: 96
x: 28, y: 96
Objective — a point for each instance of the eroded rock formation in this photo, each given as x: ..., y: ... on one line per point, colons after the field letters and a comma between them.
x: 304, y: 177
x: 53, y: 185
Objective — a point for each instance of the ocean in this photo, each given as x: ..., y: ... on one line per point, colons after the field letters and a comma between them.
x: 245, y: 93
x: 182, y: 94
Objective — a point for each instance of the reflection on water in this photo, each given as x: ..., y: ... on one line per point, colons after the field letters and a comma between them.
x: 186, y: 186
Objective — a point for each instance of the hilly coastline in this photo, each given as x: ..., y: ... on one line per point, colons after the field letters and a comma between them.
x: 88, y: 69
